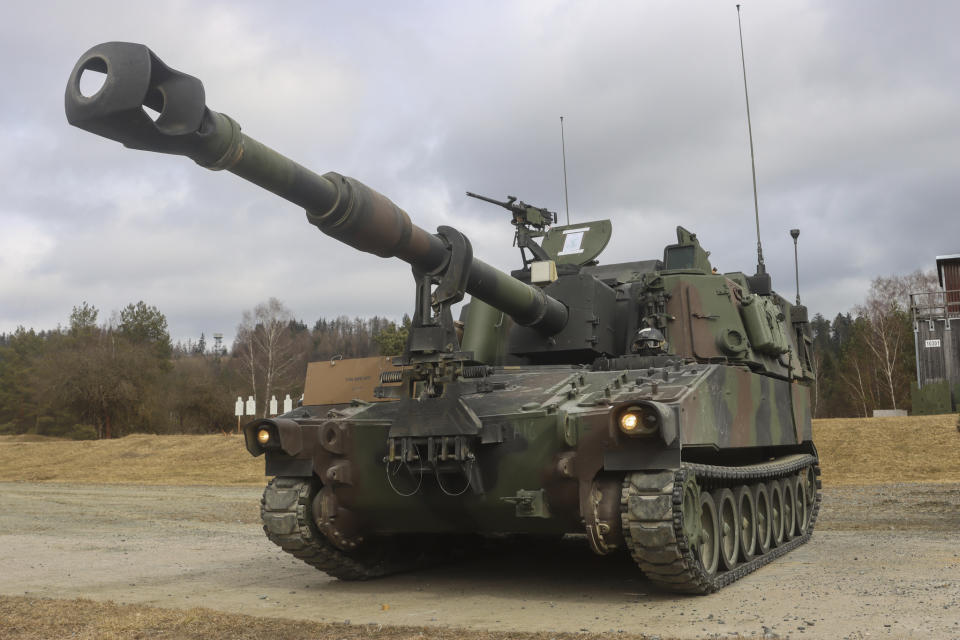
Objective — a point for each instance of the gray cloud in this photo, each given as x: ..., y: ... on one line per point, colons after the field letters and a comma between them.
x: 855, y: 111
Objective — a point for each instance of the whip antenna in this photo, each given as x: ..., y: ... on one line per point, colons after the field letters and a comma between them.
x: 761, y: 268
x: 563, y: 147
x: 795, y: 233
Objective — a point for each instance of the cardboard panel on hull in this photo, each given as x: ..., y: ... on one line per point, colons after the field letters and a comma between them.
x: 340, y: 381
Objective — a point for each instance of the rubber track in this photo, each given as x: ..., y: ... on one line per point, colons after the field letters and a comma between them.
x: 651, y: 512
x: 285, y: 510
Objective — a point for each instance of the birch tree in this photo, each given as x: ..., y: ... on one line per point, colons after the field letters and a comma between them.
x: 889, y: 339
x: 271, y: 352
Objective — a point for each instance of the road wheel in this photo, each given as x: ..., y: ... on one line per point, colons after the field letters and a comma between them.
x: 800, y: 512
x: 747, y: 510
x: 729, y: 528
x: 690, y: 508
x: 776, y: 513
x: 789, y: 508
x: 761, y: 499
x: 708, y: 546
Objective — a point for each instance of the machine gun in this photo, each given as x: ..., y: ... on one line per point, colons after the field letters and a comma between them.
x: 531, y: 222
x: 523, y: 214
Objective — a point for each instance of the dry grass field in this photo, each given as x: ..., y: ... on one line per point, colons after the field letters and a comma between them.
x: 42, y: 619
x: 883, y: 450
x: 134, y: 459
x: 852, y: 451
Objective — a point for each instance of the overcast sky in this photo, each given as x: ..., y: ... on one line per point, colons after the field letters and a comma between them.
x: 856, y: 122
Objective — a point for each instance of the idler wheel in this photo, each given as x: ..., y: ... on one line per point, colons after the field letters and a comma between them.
x: 800, y: 512
x: 789, y: 508
x: 776, y: 513
x: 729, y: 528
x: 747, y: 512
x: 690, y: 508
x: 708, y: 546
x: 761, y: 499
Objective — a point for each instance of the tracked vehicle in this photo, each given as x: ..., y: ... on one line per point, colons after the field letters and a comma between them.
x: 655, y: 407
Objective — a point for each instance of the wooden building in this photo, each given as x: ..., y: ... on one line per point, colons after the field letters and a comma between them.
x: 936, y: 331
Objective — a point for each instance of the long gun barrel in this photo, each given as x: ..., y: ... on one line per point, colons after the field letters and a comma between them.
x: 507, y: 204
x: 341, y: 207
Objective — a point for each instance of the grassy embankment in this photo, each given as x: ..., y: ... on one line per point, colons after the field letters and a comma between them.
x: 852, y: 451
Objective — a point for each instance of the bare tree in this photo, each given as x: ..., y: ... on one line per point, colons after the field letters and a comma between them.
x: 244, y: 349
x: 856, y: 368
x: 817, y: 364
x: 853, y: 378
x: 269, y: 349
x: 887, y: 311
x: 899, y: 288
x: 851, y: 372
x: 886, y: 339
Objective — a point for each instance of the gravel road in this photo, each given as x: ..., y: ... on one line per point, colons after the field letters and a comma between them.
x: 884, y: 562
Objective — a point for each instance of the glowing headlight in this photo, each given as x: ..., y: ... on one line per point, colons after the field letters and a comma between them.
x: 263, y: 436
x: 629, y: 422
x: 639, y: 421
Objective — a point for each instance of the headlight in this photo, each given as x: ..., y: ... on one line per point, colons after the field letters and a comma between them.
x: 639, y: 421
x: 263, y: 436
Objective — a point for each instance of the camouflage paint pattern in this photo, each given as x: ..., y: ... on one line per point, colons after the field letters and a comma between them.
x: 559, y: 431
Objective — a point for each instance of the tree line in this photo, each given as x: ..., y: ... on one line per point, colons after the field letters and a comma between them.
x: 103, y: 379
x: 866, y: 359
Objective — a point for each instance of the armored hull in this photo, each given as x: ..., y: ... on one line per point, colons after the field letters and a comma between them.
x: 555, y: 462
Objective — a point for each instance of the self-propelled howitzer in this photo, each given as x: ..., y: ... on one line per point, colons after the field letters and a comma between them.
x: 655, y: 406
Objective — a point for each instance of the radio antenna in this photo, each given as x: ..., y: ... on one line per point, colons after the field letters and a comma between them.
x: 795, y: 233
x: 563, y: 147
x: 761, y: 267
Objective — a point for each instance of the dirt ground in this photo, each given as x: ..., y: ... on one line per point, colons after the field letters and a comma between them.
x: 885, y: 562
x: 160, y: 536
